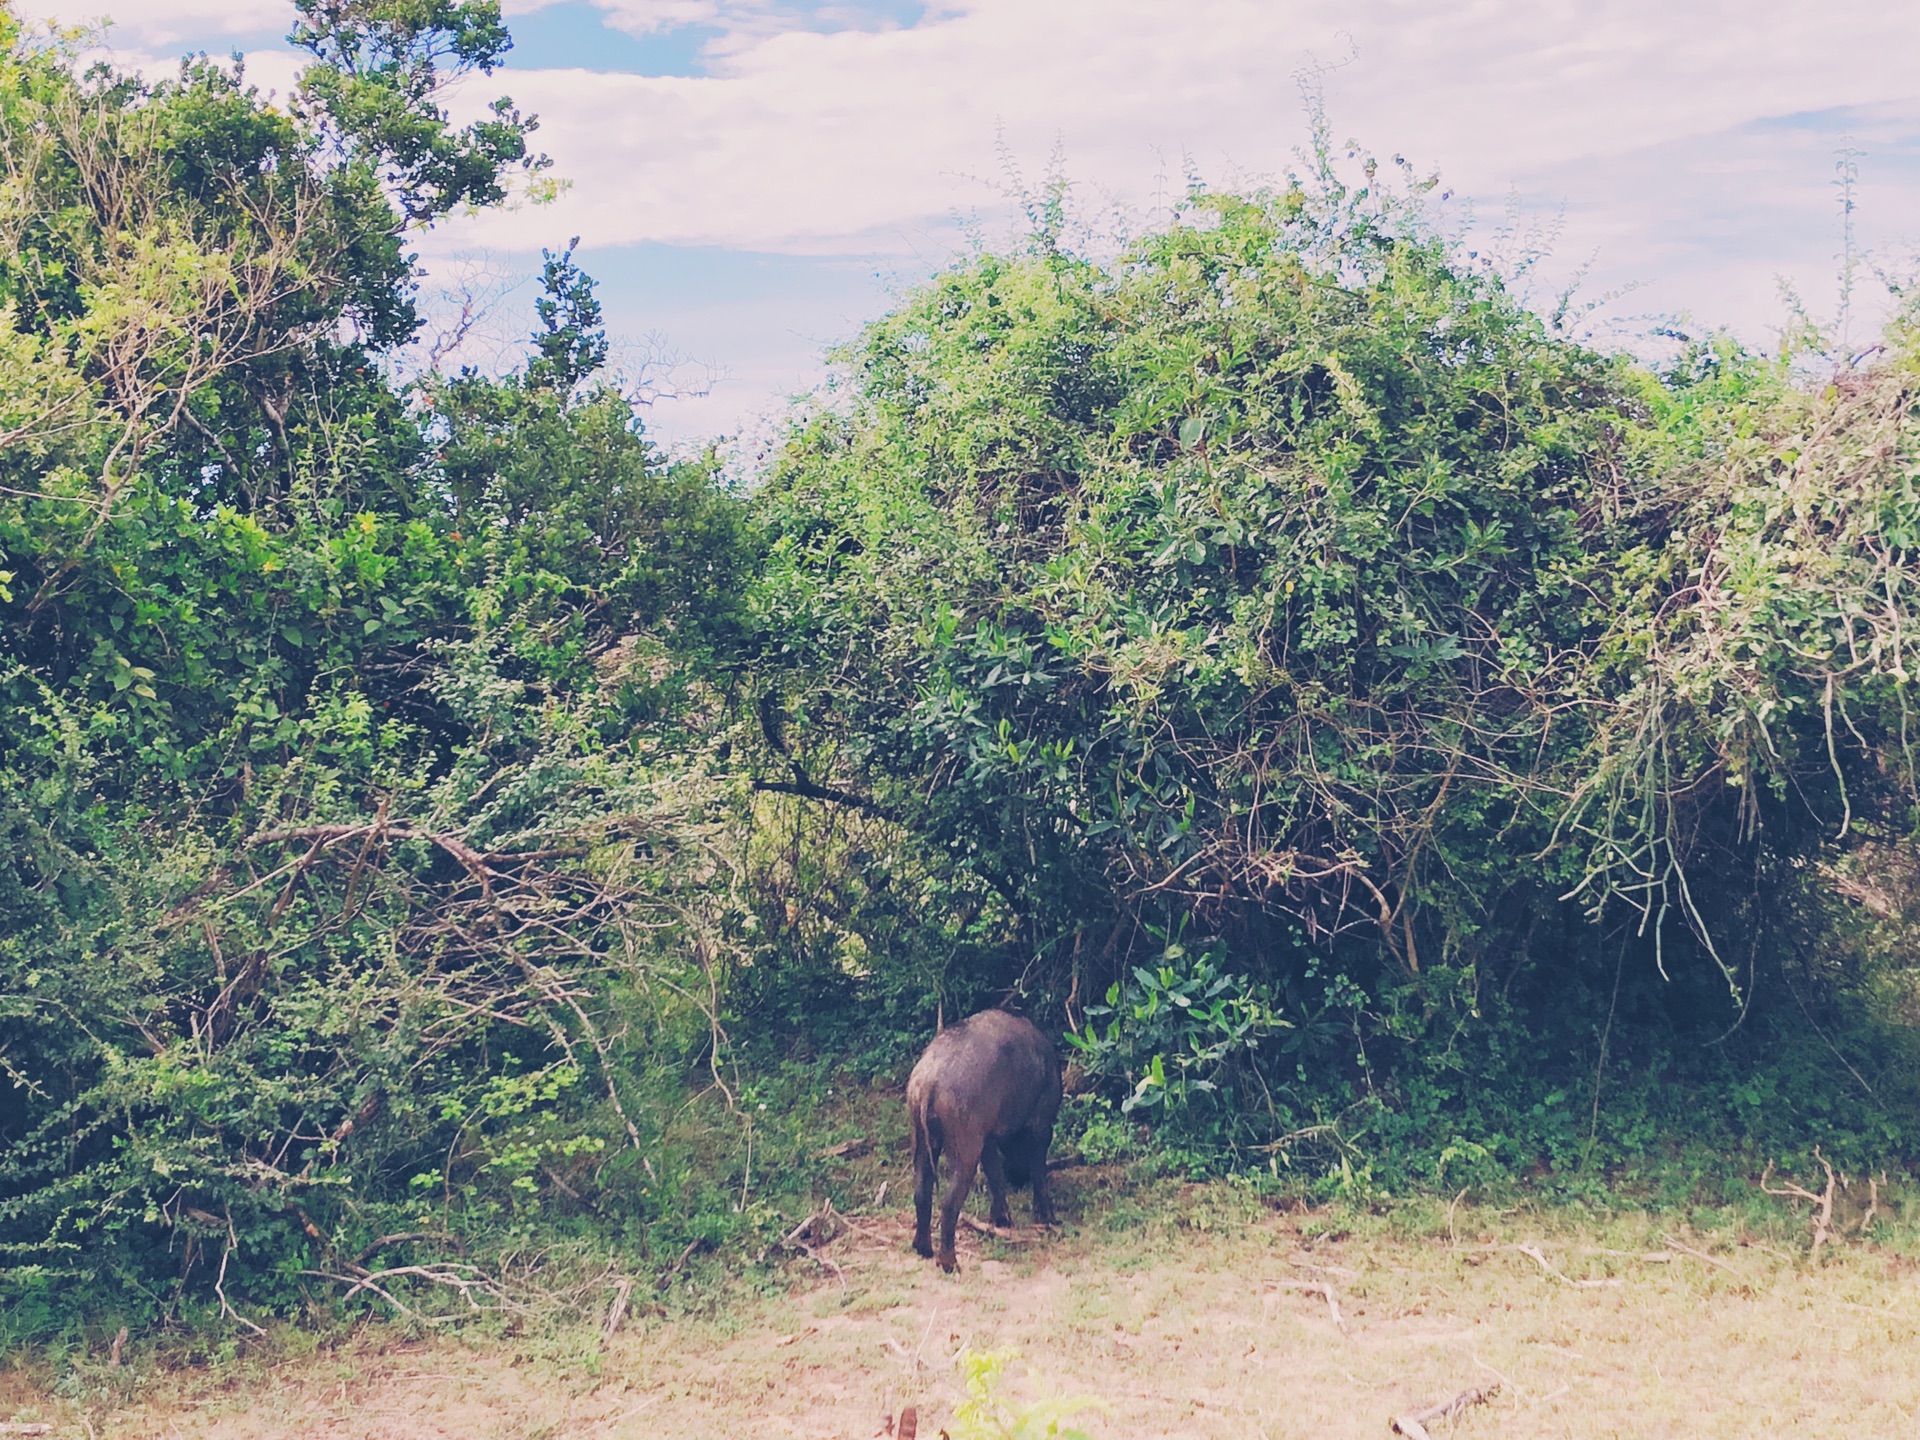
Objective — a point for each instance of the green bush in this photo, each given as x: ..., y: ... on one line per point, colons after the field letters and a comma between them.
x: 1177, y: 1033
x: 1501, y: 708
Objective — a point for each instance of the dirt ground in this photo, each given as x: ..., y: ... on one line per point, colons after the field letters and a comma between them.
x: 1199, y: 1315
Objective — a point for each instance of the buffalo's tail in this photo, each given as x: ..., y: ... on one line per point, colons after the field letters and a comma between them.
x: 926, y: 1137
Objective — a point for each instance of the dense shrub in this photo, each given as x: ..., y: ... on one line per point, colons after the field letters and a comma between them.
x: 364, y: 876
x: 1286, y: 582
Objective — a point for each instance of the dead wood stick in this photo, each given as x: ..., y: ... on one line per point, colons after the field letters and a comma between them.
x: 792, y: 1241
x: 693, y: 1247
x: 824, y: 1263
x: 855, y: 1146
x: 616, y: 1312
x: 1822, y: 1203
x: 909, y: 1425
x: 1324, y: 1291
x: 1873, y: 1201
x: 1012, y: 1237
x: 15, y: 1427
x: 1652, y: 1257
x: 823, y: 1227
x: 1532, y: 1252
x: 1414, y: 1426
x: 1306, y: 1264
x: 1675, y: 1245
x: 847, y: 1227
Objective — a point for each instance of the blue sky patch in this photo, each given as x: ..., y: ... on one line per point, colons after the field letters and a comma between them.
x: 576, y: 35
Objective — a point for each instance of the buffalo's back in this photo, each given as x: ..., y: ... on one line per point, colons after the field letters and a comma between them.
x: 995, y: 1070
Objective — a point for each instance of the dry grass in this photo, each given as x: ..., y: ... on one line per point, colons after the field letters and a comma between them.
x: 1183, y: 1310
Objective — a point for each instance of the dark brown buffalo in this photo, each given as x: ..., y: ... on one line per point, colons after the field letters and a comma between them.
x: 985, y: 1094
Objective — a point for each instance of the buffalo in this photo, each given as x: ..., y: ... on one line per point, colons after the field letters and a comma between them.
x: 985, y: 1094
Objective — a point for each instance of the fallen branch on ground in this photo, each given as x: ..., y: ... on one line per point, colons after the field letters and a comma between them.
x: 616, y: 1312
x: 1324, y: 1291
x: 1651, y: 1257
x: 1414, y: 1426
x: 1714, y: 1260
x: 1532, y: 1252
x: 694, y: 1247
x: 1306, y: 1264
x: 856, y: 1146
x: 1873, y: 1200
x: 981, y: 1227
x: 847, y: 1227
x: 792, y: 1241
x: 468, y: 1281
x: 1822, y: 1203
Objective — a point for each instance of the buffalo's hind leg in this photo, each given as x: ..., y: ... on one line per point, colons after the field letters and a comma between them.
x: 926, y: 1157
x: 965, y: 1157
x: 1042, y: 1194
x: 994, y: 1162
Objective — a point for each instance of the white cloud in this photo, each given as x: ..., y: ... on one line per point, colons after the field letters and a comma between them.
x: 738, y: 21
x: 804, y: 140
x: 830, y: 129
x: 157, y: 24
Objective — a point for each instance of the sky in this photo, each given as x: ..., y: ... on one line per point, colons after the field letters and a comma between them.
x: 751, y: 180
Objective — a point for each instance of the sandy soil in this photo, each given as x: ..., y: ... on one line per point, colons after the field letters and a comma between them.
x: 1195, y: 1317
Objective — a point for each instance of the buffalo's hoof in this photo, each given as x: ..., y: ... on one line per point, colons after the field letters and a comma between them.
x: 1005, y: 1222
x: 923, y: 1248
x: 947, y: 1262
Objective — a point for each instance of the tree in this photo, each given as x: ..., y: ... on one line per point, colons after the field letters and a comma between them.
x: 373, y: 97
x: 344, y: 756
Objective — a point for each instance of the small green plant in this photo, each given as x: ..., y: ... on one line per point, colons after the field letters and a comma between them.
x: 1104, y: 1136
x: 986, y: 1414
x: 1175, y: 1030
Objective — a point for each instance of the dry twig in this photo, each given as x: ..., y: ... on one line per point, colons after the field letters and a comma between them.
x: 981, y: 1227
x: 1325, y: 1291
x: 219, y: 1288
x: 1532, y: 1252
x: 1688, y: 1250
x: 792, y: 1241
x: 855, y: 1146
x: 1873, y: 1200
x: 1414, y: 1426
x: 617, y: 1312
x: 1822, y: 1203
x: 694, y: 1247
